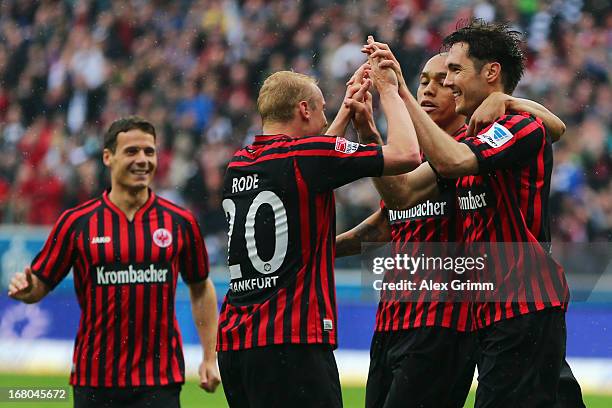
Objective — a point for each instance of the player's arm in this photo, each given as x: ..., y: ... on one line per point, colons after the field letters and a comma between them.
x: 449, y: 157
x: 339, y: 162
x: 344, y: 115
x: 498, y: 103
x: 204, y: 310
x: 401, y: 191
x: 27, y: 287
x: 375, y: 228
x: 340, y: 122
x: 407, y: 190
x: 401, y: 153
x: 194, y: 267
x: 50, y: 265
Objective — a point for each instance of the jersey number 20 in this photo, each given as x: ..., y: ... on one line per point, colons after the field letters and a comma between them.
x: 281, y: 233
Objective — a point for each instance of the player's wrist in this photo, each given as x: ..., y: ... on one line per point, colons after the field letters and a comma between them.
x: 387, y: 89
x: 210, y: 361
x: 369, y: 135
x: 365, y: 125
x: 209, y: 354
x: 403, y: 89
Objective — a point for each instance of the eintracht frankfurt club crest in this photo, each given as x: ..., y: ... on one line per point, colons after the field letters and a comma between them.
x: 162, y: 238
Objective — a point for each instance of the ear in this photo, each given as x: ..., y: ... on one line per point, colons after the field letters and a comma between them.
x: 492, y: 72
x: 107, y: 154
x: 304, y: 110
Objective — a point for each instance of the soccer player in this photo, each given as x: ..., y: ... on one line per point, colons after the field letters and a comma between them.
x: 502, y: 192
x: 422, y: 353
x: 126, y: 249
x: 278, y: 325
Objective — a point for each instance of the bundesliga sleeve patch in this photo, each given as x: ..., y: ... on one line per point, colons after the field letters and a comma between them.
x: 346, y: 146
x: 496, y: 136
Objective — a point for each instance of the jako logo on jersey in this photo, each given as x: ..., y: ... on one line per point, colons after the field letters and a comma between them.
x: 162, y: 238
x: 496, y: 136
x: 346, y: 146
x: 100, y: 240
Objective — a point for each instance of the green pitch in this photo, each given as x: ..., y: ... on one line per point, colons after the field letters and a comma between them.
x: 193, y: 397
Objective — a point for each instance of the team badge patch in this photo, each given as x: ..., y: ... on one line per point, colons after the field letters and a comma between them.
x: 496, y: 136
x: 346, y: 146
x: 162, y: 238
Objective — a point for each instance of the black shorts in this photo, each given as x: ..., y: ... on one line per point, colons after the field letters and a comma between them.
x: 285, y: 375
x: 167, y: 396
x: 569, y: 394
x: 428, y: 367
x: 520, y: 361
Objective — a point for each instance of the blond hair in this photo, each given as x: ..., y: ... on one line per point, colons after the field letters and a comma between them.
x: 280, y: 94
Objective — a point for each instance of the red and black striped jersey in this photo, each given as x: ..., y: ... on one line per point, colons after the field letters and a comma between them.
x: 507, y: 202
x: 125, y: 276
x: 432, y: 221
x: 279, y: 201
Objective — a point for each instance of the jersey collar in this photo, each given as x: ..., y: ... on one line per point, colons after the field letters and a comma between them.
x: 261, y: 139
x: 460, y: 133
x: 117, y: 210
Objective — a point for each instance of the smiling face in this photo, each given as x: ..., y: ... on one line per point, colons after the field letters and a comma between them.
x: 467, y: 81
x: 435, y: 98
x: 133, y: 162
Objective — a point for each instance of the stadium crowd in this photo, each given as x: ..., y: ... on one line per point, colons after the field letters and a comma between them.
x: 69, y: 68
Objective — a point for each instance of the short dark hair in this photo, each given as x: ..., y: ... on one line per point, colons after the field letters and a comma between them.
x: 492, y: 42
x: 124, y: 125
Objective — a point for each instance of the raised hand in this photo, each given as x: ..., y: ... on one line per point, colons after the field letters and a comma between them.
x: 489, y: 110
x: 357, y: 93
x: 359, y: 101
x: 346, y: 113
x: 383, y: 78
x: 354, y: 83
x: 358, y: 98
x: 381, y: 50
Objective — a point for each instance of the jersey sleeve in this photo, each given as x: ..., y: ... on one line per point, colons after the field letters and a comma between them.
x: 510, y: 142
x: 327, y: 162
x: 55, y: 260
x: 194, y: 265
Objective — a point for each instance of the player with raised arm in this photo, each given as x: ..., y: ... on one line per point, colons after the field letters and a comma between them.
x: 127, y: 249
x: 507, y: 165
x: 420, y: 353
x: 278, y: 323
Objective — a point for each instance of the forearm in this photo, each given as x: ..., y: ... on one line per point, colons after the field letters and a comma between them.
x: 407, y: 190
x: 402, y: 142
x: 375, y: 228
x: 555, y: 126
x: 394, y: 190
x: 347, y: 244
x: 441, y: 149
x: 367, y: 132
x: 450, y: 158
x: 204, y: 310
x: 340, y: 122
